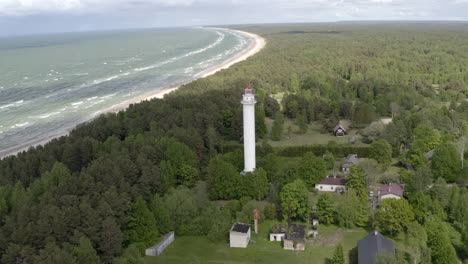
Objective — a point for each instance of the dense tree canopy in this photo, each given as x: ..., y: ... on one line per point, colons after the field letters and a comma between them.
x: 68, y: 201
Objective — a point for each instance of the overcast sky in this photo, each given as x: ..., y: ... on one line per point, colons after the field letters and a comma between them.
x: 40, y: 16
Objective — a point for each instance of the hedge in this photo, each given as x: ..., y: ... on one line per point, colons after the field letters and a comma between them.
x: 338, y: 151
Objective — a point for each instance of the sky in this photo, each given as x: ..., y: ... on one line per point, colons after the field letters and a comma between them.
x: 20, y: 17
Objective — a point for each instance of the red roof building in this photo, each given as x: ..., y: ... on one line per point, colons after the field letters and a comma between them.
x: 331, y: 185
x: 391, y: 190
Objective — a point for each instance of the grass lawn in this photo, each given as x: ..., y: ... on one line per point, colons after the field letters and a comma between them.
x: 260, y: 250
x: 311, y: 137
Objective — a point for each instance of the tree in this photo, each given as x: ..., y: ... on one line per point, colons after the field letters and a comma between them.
x: 271, y: 107
x: 356, y: 180
x: 85, y: 253
x: 421, y: 179
x: 425, y: 208
x: 294, y: 83
x: 141, y: 225
x: 131, y: 255
x: 386, y: 258
x: 168, y: 175
x: 53, y: 254
x: 181, y: 204
x: 394, y: 108
x: 187, y: 175
x: 178, y: 153
x: 277, y: 129
x: 381, y: 151
x: 351, y: 210
x: 161, y: 214
x: 220, y: 228
x: 326, y: 208
x: 253, y: 184
x: 394, y: 216
x: 426, y: 138
x: 260, y: 127
x: 416, y: 243
x: 440, y: 191
x: 438, y: 240
x: 295, y: 200
x: 221, y: 177
x: 312, y: 169
x: 301, y: 122
x: 445, y: 163
x: 364, y: 114
x: 338, y: 256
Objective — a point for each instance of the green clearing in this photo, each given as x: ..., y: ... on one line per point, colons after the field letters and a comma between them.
x: 311, y: 137
x: 194, y: 249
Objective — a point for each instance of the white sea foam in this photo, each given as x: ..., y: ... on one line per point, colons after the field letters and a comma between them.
x: 77, y: 103
x: 50, y: 95
x: 15, y: 104
x: 217, y: 41
x: 108, y: 96
x: 20, y: 125
x: 48, y: 115
x: 91, y: 98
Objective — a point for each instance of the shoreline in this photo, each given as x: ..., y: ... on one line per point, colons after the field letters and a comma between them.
x: 257, y: 44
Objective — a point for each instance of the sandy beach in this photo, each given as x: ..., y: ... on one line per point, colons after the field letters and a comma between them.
x: 257, y: 44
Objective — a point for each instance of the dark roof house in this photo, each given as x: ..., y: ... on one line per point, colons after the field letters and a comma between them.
x: 351, y: 159
x: 333, y: 181
x: 372, y: 245
x: 331, y: 185
x: 241, y: 228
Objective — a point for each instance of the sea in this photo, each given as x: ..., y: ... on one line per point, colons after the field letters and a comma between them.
x: 51, y: 83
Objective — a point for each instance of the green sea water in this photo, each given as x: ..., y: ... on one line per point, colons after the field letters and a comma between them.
x: 50, y: 83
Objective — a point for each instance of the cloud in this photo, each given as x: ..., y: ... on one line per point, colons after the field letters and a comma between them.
x: 20, y: 16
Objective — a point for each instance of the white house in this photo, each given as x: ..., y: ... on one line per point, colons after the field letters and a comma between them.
x: 331, y: 185
x: 391, y: 190
x: 239, y: 236
x: 277, y: 236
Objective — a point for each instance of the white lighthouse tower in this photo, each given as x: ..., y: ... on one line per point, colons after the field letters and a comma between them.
x: 248, y: 100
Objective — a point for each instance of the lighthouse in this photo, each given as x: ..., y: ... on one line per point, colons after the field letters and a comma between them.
x: 248, y: 100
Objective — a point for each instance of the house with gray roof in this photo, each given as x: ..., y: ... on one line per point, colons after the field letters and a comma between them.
x: 372, y: 245
x: 351, y: 159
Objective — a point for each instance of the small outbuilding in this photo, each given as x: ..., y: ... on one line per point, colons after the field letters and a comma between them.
x: 278, y: 232
x: 332, y: 185
x: 339, y: 130
x: 391, y: 190
x: 295, y: 237
x: 429, y: 155
x: 372, y: 245
x: 239, y: 236
x: 351, y: 159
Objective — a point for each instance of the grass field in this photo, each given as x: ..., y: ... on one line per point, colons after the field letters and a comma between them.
x: 260, y: 250
x: 311, y: 137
